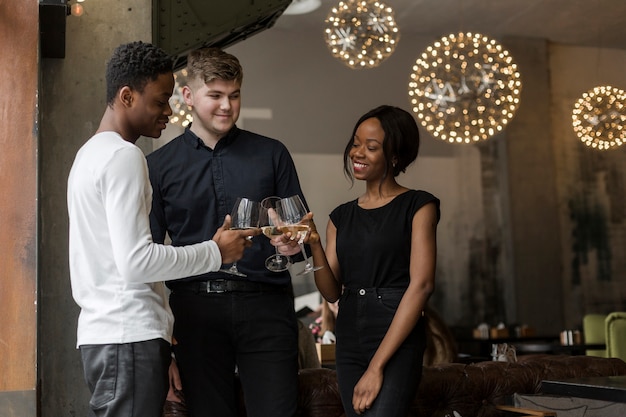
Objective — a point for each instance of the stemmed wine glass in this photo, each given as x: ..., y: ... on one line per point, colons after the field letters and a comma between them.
x: 244, y: 215
x: 270, y: 223
x: 291, y: 211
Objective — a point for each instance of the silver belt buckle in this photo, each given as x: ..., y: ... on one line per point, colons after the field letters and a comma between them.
x: 217, y: 283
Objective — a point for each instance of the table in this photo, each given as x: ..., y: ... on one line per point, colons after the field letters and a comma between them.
x: 605, y: 388
x: 555, y: 348
x: 482, y: 347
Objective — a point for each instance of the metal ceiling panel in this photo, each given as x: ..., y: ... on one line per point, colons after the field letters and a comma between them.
x: 180, y: 26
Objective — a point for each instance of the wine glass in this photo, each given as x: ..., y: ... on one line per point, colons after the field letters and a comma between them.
x: 244, y: 215
x: 270, y: 223
x: 291, y: 210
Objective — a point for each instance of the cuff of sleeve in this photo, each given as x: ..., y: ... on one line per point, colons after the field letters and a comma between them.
x: 215, y: 256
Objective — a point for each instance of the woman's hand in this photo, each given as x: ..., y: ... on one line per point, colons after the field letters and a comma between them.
x: 366, y: 390
x: 288, y: 243
x: 311, y: 236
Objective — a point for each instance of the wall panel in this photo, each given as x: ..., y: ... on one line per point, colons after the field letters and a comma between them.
x: 18, y: 206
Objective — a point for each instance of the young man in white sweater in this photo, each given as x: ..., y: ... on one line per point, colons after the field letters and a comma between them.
x: 125, y: 323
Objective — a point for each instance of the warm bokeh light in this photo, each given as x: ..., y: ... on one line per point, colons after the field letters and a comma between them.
x: 599, y: 117
x: 181, y: 111
x: 361, y: 33
x: 77, y: 9
x: 465, y: 88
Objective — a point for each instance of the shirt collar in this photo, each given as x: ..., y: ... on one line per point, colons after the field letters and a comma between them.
x: 192, y: 140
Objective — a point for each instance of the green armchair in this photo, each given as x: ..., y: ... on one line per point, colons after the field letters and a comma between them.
x: 594, y: 332
x: 615, y: 330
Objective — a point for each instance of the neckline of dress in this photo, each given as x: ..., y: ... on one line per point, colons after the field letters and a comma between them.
x: 356, y: 202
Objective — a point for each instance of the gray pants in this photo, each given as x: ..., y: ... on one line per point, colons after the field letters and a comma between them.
x: 127, y: 379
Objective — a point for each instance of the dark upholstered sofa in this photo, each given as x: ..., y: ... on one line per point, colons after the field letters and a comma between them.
x: 472, y: 390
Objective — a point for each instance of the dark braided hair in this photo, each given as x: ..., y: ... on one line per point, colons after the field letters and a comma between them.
x: 135, y: 64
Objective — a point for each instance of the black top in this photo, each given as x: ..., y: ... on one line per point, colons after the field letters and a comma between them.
x: 374, y: 245
x: 195, y: 187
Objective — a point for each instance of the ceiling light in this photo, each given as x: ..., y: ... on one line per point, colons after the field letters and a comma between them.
x: 361, y: 33
x: 302, y: 6
x: 599, y: 117
x: 465, y: 88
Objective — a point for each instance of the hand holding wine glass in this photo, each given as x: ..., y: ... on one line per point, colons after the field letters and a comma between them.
x: 244, y: 215
x: 292, y: 211
x: 229, y: 241
x: 270, y: 223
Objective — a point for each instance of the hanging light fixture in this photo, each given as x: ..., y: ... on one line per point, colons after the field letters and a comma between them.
x: 599, y: 117
x: 77, y: 8
x: 465, y: 88
x: 361, y: 33
x: 302, y: 7
x: 181, y: 112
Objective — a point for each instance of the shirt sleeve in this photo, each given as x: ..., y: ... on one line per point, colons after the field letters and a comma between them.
x: 287, y: 182
x: 126, y: 194
x: 157, y: 214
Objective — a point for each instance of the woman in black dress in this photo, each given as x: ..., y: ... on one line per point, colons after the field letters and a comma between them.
x: 380, y: 263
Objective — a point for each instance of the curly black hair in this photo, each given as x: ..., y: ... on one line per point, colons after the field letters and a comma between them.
x: 134, y: 64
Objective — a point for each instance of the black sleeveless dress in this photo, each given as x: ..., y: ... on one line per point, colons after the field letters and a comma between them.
x: 374, y: 251
x: 374, y: 245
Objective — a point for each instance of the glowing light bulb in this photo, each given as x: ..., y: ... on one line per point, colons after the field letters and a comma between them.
x: 77, y: 9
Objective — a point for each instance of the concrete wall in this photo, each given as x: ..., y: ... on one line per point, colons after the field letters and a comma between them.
x: 72, y: 102
x: 591, y: 188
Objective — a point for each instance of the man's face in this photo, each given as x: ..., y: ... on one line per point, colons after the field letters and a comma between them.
x: 215, y: 105
x: 151, y: 108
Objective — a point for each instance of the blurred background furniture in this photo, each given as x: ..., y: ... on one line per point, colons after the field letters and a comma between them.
x: 451, y: 389
x: 594, y: 332
x: 615, y: 329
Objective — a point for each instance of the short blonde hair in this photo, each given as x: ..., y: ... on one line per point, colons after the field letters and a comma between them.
x: 208, y: 64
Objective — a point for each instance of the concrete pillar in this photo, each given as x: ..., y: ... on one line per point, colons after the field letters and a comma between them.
x: 533, y: 200
x: 18, y: 207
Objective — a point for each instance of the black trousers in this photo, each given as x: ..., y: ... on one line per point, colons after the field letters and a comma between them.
x: 254, y: 333
x: 363, y: 320
x: 129, y: 380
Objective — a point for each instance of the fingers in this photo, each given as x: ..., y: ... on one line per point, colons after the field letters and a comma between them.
x: 247, y: 235
x: 366, y: 391
x: 175, y: 383
x: 227, y: 222
x: 361, y: 404
x: 286, y: 245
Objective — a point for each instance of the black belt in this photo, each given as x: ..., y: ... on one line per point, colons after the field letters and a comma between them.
x: 217, y: 286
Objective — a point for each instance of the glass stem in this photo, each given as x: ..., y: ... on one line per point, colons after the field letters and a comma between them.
x: 307, y: 264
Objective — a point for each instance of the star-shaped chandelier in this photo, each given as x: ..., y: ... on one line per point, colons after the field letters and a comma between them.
x: 361, y: 33
x: 599, y: 117
x: 465, y: 88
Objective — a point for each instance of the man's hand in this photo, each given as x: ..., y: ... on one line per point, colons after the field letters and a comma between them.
x: 233, y: 242
x: 175, y: 384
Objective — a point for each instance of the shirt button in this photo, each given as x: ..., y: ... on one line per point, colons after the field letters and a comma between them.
x: 361, y: 291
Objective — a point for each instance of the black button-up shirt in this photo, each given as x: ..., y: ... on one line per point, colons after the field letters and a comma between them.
x: 195, y: 187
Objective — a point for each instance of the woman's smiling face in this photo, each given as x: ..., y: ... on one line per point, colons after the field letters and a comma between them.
x: 368, y: 158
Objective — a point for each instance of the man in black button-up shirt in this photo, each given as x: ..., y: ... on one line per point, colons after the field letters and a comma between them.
x: 196, y: 179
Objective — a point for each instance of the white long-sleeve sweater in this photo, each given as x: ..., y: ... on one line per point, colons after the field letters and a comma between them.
x: 116, y: 269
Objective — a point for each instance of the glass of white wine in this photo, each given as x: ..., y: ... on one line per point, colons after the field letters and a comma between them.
x: 270, y: 223
x: 291, y: 211
x: 244, y: 215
